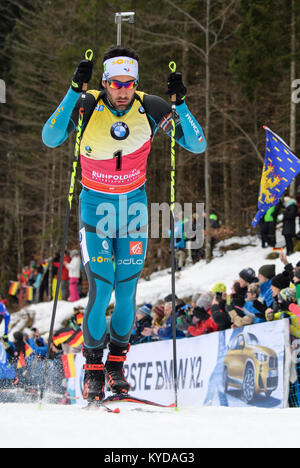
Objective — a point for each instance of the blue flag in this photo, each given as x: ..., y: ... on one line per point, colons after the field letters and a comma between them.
x: 281, y: 166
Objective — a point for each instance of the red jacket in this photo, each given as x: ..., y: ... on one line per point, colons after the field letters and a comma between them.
x: 203, y: 326
x: 65, y: 271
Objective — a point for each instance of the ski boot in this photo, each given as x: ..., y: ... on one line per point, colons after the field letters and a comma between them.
x: 94, y: 379
x: 114, y: 373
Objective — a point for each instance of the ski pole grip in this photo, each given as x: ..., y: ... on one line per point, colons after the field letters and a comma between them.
x: 173, y: 68
x: 89, y: 54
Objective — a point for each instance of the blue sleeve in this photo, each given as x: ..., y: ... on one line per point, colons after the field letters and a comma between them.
x: 39, y: 350
x: 193, y: 138
x: 6, y: 316
x: 6, y: 323
x: 269, y: 298
x: 55, y: 130
x: 165, y: 332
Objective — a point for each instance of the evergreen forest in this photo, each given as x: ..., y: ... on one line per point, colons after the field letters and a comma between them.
x: 239, y: 60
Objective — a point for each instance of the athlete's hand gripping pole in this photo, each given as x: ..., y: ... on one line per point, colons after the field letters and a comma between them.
x: 173, y: 67
x: 83, y: 85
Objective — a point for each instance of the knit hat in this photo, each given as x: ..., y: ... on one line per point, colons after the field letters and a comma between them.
x: 219, y: 288
x: 144, y: 310
x: 281, y: 281
x: 268, y: 271
x: 195, y: 297
x: 168, y: 298
x: 205, y: 300
x: 248, y: 275
x: 200, y: 313
x: 159, y: 310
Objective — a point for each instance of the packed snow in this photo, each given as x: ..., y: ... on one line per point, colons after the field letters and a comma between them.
x: 27, y: 425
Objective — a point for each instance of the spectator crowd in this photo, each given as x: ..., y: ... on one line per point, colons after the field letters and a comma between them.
x: 37, y: 282
x: 254, y: 298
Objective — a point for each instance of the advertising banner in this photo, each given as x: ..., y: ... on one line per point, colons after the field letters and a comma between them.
x: 236, y: 367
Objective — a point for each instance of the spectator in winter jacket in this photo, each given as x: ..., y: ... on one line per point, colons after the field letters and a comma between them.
x: 64, y: 284
x: 185, y: 317
x: 288, y: 266
x: 286, y: 308
x: 4, y: 315
x: 158, y: 315
x: 265, y: 275
x: 239, y: 289
x: 218, y: 308
x: 143, y: 320
x: 296, y: 280
x: 236, y: 310
x: 166, y: 332
x: 202, y: 322
x: 279, y: 282
x: 254, y: 308
x: 246, y: 277
x: 205, y: 300
x: 268, y: 226
x: 55, y: 268
x: 37, y: 343
x: 289, y: 223
x: 74, y: 275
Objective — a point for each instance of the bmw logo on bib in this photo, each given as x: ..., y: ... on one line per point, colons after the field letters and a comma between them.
x: 119, y: 131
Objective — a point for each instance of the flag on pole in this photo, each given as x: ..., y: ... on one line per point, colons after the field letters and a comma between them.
x: 13, y: 288
x: 62, y: 336
x: 21, y: 361
x: 76, y: 339
x: 28, y: 351
x: 68, y: 361
x: 29, y: 293
x: 281, y: 166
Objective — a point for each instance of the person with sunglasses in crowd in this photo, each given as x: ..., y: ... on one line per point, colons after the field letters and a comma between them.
x: 119, y: 123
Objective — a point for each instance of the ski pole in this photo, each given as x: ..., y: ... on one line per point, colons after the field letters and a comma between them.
x: 88, y: 56
x: 172, y: 66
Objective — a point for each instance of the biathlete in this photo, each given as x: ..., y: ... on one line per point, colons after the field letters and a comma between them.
x: 119, y: 124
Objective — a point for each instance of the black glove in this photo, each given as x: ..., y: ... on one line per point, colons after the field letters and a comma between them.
x: 83, y: 74
x: 176, y: 86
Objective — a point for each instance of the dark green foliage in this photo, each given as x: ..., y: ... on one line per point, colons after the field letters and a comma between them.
x: 41, y: 43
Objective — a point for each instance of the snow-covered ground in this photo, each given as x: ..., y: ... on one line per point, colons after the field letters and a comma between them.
x: 24, y: 425
x: 207, y: 427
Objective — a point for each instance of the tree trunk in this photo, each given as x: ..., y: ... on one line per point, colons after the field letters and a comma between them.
x: 226, y: 188
x: 293, y: 78
x: 207, y: 128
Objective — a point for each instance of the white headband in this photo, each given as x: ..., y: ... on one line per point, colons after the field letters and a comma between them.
x: 120, y: 66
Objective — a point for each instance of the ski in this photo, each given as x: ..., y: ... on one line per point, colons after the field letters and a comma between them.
x: 132, y: 399
x: 98, y: 405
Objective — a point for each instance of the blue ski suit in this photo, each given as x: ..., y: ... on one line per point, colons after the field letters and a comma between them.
x: 113, y: 221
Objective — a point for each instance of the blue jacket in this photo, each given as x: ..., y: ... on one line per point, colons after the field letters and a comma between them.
x: 4, y: 314
x: 39, y: 350
x: 166, y: 333
x: 251, y: 311
x: 266, y: 295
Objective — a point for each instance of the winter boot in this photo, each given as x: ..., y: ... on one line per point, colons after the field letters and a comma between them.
x: 114, y: 372
x: 94, y: 379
